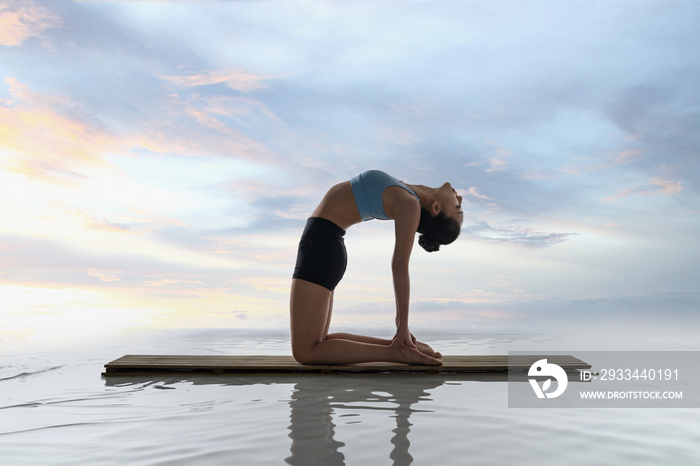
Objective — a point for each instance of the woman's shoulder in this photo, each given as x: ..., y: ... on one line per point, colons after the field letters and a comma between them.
x: 398, y: 202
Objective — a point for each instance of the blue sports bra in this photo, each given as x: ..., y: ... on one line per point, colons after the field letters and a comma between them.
x: 368, y: 188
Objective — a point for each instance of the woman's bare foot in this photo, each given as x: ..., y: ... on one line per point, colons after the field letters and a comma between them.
x: 413, y: 356
x: 426, y: 349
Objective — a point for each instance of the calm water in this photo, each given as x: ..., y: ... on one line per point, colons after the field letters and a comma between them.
x: 56, y: 409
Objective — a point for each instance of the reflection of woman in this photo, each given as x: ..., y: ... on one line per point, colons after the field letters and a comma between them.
x: 320, y: 404
x: 436, y: 213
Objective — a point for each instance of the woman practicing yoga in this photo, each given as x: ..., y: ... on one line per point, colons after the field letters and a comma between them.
x: 436, y: 213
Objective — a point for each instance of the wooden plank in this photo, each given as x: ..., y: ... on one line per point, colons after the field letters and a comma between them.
x: 286, y: 364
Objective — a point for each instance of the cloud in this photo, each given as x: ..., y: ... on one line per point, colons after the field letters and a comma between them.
x: 499, y: 161
x: 51, y: 141
x: 656, y: 187
x: 195, y: 292
x: 251, y: 246
x: 102, y: 224
x: 170, y: 281
x: 474, y: 191
x: 235, y: 79
x: 514, y: 234
x: 18, y: 23
x: 627, y: 156
x: 228, y: 106
x: 105, y: 276
x: 660, y: 120
x: 269, y: 284
x: 222, y: 124
x: 52, y: 261
x: 280, y: 201
x: 70, y: 314
x: 231, y: 147
x: 611, y: 314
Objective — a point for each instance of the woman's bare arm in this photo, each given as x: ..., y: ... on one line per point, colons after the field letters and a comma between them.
x: 406, y: 219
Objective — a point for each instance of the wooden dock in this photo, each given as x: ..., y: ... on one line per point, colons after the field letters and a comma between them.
x: 140, y: 364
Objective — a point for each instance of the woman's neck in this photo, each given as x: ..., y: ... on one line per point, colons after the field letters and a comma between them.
x: 426, y: 194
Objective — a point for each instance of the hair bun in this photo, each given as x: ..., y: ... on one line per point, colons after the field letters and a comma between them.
x: 428, y: 243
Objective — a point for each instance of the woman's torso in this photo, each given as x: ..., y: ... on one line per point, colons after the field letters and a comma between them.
x: 339, y: 205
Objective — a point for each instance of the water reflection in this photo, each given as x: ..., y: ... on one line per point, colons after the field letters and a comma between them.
x: 318, y: 403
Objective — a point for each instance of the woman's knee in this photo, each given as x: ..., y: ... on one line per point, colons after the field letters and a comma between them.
x: 303, y: 352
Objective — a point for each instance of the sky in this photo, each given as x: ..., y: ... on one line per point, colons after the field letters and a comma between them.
x: 158, y: 161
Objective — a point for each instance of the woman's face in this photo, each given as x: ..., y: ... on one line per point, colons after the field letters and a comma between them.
x: 450, y: 202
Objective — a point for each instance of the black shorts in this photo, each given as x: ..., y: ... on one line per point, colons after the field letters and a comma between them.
x: 322, y: 257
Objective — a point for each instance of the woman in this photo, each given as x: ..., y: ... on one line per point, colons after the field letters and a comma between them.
x: 321, y: 262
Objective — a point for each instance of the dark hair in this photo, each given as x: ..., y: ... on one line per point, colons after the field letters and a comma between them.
x: 436, y: 230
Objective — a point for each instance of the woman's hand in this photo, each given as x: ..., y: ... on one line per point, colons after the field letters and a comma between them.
x: 422, y: 347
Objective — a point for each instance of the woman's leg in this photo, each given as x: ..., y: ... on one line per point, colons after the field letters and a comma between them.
x: 422, y: 347
x: 310, y: 310
x: 328, y: 319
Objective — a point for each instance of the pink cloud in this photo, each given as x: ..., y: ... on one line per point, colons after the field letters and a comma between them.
x: 52, y: 140
x: 627, y: 156
x: 50, y: 143
x: 105, y: 276
x: 499, y: 161
x: 474, y: 191
x: 172, y: 130
x: 102, y: 224
x: 667, y: 187
x: 235, y: 79
x: 18, y: 23
x: 656, y: 187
